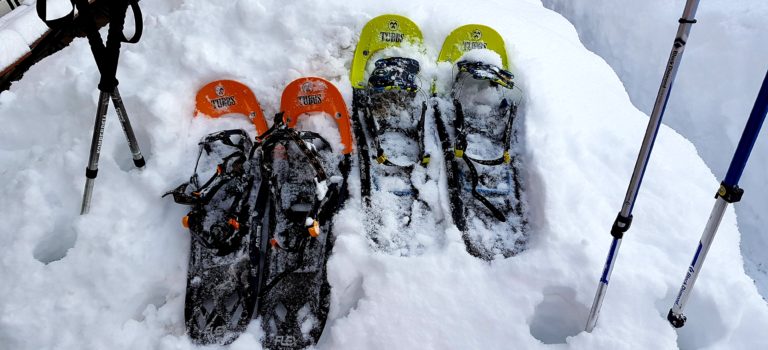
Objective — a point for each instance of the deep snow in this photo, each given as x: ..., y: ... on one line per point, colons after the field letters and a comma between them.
x: 116, y: 277
x: 724, y: 62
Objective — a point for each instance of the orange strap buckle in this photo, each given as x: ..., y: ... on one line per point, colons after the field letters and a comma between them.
x: 235, y: 225
x: 314, y: 230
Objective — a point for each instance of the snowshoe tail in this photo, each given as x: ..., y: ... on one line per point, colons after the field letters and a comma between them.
x: 295, y: 295
x: 221, y: 97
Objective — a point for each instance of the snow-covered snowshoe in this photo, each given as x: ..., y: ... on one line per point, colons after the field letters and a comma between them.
x: 221, y: 284
x: 389, y: 112
x: 477, y: 133
x: 308, y: 184
x: 228, y: 202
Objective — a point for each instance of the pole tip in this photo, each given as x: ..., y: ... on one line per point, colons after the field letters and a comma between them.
x: 676, y: 320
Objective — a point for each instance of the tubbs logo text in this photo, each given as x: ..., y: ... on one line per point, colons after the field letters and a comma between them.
x: 223, y: 102
x: 310, y: 100
x: 390, y: 37
x: 471, y: 45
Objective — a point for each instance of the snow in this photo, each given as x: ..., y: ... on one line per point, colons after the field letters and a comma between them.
x: 716, y: 86
x: 18, y: 30
x: 115, y: 278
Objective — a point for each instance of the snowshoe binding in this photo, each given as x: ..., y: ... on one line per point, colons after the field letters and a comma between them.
x: 308, y: 184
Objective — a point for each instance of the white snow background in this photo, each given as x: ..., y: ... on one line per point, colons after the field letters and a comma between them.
x: 115, y: 278
x: 724, y: 63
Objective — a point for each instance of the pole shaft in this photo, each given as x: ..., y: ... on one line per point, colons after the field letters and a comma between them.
x: 749, y: 136
x: 715, y: 217
x: 625, y: 215
x: 675, y: 56
x: 93, y: 161
x: 122, y: 115
x: 729, y: 192
x: 594, y: 312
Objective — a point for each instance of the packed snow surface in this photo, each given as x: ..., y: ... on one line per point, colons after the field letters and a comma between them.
x: 720, y: 74
x: 19, y: 29
x: 115, y: 278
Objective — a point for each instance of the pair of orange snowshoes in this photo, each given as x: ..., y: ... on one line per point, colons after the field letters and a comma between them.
x: 261, y: 218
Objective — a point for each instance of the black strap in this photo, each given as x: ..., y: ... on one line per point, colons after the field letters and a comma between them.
x: 106, y: 55
x: 57, y: 23
x: 374, y: 131
x: 475, y: 181
x: 461, y: 147
x: 138, y: 23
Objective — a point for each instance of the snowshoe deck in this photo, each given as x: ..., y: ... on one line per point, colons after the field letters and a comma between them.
x: 222, y: 279
x: 478, y: 136
x: 308, y: 185
x: 389, y: 112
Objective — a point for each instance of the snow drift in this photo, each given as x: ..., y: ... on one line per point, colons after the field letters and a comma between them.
x: 724, y: 63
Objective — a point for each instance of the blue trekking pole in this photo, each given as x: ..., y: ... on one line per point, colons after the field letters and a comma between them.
x: 624, y: 219
x: 729, y: 192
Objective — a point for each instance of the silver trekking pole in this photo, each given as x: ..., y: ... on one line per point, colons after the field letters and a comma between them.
x: 624, y: 219
x: 106, y: 56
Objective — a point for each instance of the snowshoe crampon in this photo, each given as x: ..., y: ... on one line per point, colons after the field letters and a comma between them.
x: 227, y: 198
x: 308, y: 180
x: 389, y: 110
x: 477, y: 131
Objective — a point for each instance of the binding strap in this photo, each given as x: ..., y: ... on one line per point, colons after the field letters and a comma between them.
x: 484, y: 71
x: 326, y: 202
x: 394, y: 73
x: 461, y: 146
x: 282, y: 133
x: 381, y: 156
x: 224, y: 235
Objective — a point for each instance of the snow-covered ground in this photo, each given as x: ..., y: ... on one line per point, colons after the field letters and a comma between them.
x: 115, y: 279
x: 724, y: 63
x: 19, y: 29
